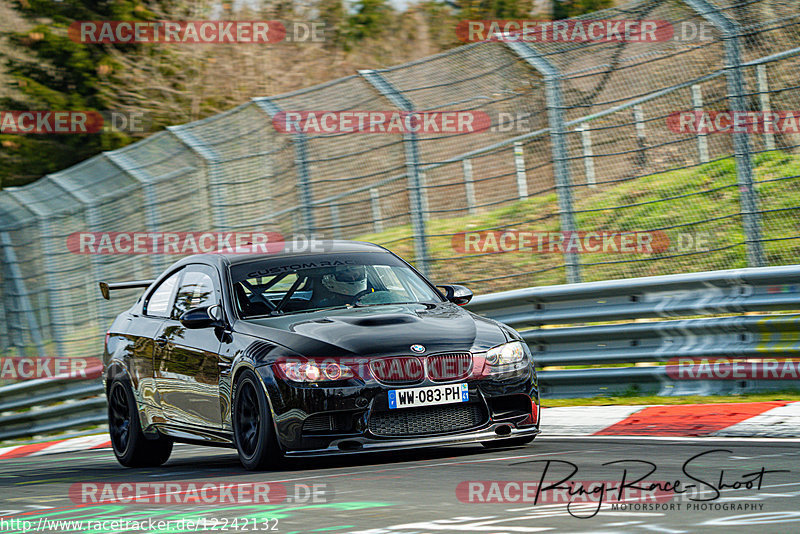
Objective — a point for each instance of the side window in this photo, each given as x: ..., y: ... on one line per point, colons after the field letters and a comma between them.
x: 158, y: 303
x: 402, y: 282
x: 414, y: 285
x: 197, y: 289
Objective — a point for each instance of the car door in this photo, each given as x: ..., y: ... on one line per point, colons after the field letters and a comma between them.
x: 187, y: 362
x: 143, y: 329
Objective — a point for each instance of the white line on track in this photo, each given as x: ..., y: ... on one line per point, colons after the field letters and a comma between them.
x: 441, y: 464
x: 697, y: 439
x: 358, y: 473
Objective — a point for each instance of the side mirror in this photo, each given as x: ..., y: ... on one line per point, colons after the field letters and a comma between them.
x: 457, y: 294
x: 202, y: 317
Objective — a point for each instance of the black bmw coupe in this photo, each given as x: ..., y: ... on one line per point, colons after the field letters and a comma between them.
x: 315, y: 353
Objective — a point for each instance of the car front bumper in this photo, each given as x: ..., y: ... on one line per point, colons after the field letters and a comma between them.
x: 292, y: 407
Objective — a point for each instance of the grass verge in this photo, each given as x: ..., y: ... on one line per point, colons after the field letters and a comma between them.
x: 696, y: 211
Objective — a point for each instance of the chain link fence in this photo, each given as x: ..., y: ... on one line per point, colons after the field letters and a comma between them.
x: 583, y: 142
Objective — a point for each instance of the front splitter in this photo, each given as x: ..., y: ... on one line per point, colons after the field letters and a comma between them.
x: 360, y: 445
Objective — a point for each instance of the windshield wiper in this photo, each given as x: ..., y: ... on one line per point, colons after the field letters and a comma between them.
x: 310, y: 310
x: 295, y: 312
x: 428, y: 305
x: 358, y: 305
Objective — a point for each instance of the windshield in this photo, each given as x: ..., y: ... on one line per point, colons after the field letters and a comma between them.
x: 277, y: 286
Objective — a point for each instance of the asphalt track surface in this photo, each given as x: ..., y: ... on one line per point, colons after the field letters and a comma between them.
x: 416, y: 491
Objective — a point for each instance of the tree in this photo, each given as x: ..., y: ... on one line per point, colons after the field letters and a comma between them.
x: 332, y: 14
x: 564, y: 9
x: 494, y: 9
x: 51, y: 72
x: 175, y: 84
x: 370, y: 18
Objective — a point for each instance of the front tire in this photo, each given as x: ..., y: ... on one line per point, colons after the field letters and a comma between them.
x: 253, y: 432
x: 130, y: 445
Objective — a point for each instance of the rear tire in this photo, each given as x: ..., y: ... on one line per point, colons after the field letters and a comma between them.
x: 253, y: 432
x: 130, y: 445
x: 511, y: 442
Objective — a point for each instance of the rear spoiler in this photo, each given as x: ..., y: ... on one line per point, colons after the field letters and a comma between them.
x: 105, y: 287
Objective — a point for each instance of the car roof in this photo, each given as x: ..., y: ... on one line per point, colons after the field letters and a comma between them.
x: 330, y: 246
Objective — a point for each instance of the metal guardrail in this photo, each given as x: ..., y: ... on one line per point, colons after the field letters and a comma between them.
x: 566, y: 325
x: 41, y: 406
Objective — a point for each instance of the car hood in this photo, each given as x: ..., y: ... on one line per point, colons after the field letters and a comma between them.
x: 380, y: 330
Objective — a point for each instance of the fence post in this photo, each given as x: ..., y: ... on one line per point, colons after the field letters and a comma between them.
x: 519, y: 165
x: 301, y: 164
x: 641, y: 134
x: 21, y: 293
x: 336, y: 223
x: 375, y: 204
x: 766, y: 109
x: 469, y: 186
x: 748, y: 198
x: 416, y: 193
x: 10, y: 329
x: 296, y: 222
x: 588, y: 162
x: 702, y: 139
x: 555, y: 117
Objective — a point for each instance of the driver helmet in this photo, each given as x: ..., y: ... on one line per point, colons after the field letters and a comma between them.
x: 347, y: 280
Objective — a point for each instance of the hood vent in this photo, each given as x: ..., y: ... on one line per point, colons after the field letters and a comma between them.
x: 378, y: 320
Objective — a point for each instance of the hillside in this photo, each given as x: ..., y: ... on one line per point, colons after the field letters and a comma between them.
x: 680, y: 205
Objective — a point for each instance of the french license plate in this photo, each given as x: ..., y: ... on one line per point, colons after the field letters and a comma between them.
x: 428, y: 396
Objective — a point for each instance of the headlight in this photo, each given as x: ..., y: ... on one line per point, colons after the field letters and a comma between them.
x: 507, y: 354
x: 314, y: 371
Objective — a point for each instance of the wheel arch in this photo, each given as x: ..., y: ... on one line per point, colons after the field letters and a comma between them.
x: 116, y: 370
x: 241, y: 368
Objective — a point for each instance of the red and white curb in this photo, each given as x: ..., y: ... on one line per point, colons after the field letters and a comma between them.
x: 781, y: 422
x: 82, y: 443
x: 778, y: 419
